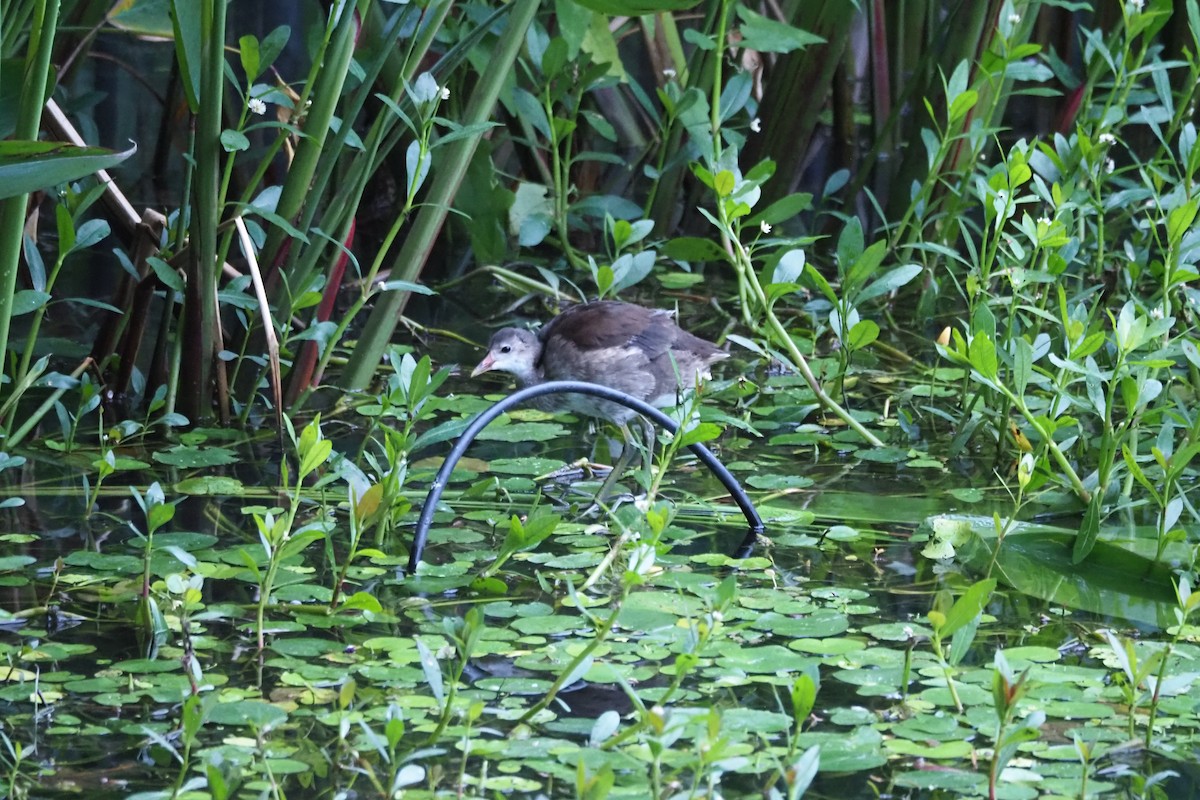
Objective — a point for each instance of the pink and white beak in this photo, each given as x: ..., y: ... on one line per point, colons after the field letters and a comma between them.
x: 488, y: 363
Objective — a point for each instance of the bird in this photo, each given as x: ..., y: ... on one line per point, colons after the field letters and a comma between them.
x: 637, y: 350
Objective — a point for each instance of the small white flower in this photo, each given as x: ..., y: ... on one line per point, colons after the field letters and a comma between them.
x: 256, y: 106
x: 669, y: 73
x: 1136, y: 6
x: 756, y: 125
x: 1156, y: 313
x: 908, y: 632
x: 1013, y: 19
x: 1107, y: 138
x: 445, y: 92
x: 764, y: 226
x: 1109, y: 165
x: 1044, y: 221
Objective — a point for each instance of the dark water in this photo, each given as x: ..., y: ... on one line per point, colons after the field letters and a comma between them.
x: 94, y: 702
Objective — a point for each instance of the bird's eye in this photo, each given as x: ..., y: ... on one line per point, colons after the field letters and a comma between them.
x: 506, y: 348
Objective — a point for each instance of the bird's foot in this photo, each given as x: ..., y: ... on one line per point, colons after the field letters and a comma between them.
x: 569, y: 473
x: 609, y: 505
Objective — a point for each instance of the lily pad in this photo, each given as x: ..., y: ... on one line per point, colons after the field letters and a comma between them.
x: 188, y: 457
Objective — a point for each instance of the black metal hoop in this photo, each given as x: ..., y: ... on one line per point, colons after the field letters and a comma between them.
x: 561, y: 387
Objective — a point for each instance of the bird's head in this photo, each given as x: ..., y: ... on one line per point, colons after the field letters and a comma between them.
x: 515, y: 351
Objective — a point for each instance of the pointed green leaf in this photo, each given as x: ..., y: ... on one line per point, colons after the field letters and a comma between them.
x: 29, y: 166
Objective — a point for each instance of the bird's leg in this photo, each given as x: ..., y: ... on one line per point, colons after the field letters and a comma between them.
x: 627, y: 453
x: 630, y: 448
x: 647, y: 448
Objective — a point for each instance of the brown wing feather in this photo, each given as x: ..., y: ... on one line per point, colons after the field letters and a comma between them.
x: 595, y: 326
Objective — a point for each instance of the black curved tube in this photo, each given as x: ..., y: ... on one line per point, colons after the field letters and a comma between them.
x: 561, y: 387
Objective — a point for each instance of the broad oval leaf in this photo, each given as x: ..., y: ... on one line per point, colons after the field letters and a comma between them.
x: 890, y: 281
x: 790, y: 267
x: 693, y: 248
x: 28, y: 300
x: 862, y: 334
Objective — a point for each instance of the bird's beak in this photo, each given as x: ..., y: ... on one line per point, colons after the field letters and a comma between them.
x: 485, y: 365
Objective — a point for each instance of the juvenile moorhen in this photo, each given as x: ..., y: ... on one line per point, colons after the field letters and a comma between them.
x: 639, y: 351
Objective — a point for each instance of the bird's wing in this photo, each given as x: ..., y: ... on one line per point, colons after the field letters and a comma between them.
x: 606, y: 324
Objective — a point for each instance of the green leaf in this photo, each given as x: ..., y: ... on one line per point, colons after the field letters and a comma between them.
x: 150, y: 620
x: 90, y: 232
x: 234, y: 141
x: 28, y: 300
x: 271, y: 46
x: 889, y: 282
x: 968, y: 607
x: 863, y: 334
x: 159, y: 515
x: 850, y: 244
x: 636, y: 8
x: 804, y: 697
x: 863, y: 268
x: 962, y: 104
x: 145, y: 18
x: 248, y: 46
x: 693, y: 248
x: 704, y: 432
x: 677, y: 281
x: 1180, y: 220
x: 961, y: 641
x: 700, y: 40
x: 29, y: 166
x: 1022, y: 365
x: 528, y: 535
x: 255, y: 714
x: 211, y: 485
x: 299, y: 541
x: 432, y: 670
x: 406, y: 286
x: 554, y: 59
x: 803, y: 770
x: 166, y: 274
x: 724, y: 183
x: 982, y: 354
x: 789, y: 268
x: 782, y: 209
x: 604, y: 280
x: 315, y: 457
x: 189, y: 47
x: 187, y: 457
x: 1091, y: 343
x: 1089, y: 528
x: 65, y: 226
x: 818, y: 280
x: 769, y: 36
x: 362, y: 601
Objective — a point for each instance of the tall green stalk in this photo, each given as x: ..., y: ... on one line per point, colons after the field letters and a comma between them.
x: 34, y: 79
x: 201, y: 293
x: 450, y: 172
x: 324, y: 86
